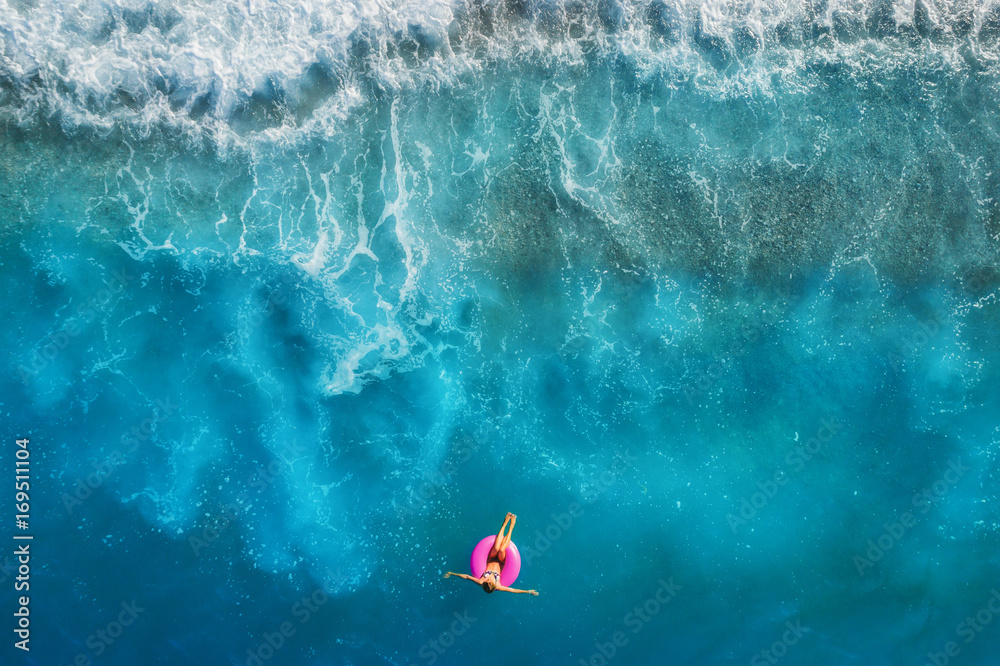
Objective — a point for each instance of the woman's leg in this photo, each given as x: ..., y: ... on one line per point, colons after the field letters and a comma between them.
x: 506, y: 540
x: 498, y: 541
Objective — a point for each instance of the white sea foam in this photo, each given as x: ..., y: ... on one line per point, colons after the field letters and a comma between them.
x: 204, y: 65
x: 312, y: 263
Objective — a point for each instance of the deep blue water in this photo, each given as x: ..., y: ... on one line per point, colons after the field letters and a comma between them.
x: 301, y: 300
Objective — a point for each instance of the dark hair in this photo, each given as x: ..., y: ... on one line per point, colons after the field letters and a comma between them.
x: 489, y: 586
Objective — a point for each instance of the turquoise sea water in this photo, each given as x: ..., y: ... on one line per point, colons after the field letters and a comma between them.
x: 301, y: 299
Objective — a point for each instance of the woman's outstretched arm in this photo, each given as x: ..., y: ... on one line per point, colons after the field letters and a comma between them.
x: 511, y: 589
x: 461, y: 575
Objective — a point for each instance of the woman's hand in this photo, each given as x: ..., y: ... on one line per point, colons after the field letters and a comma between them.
x: 447, y: 574
x: 533, y: 593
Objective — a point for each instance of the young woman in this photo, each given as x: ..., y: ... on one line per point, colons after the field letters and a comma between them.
x: 490, y: 580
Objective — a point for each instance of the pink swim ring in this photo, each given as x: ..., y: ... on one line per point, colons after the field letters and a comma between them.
x: 511, y: 567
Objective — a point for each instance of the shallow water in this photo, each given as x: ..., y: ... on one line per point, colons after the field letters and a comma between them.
x: 302, y: 299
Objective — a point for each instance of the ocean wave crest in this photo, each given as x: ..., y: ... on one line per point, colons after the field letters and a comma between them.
x: 270, y: 69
